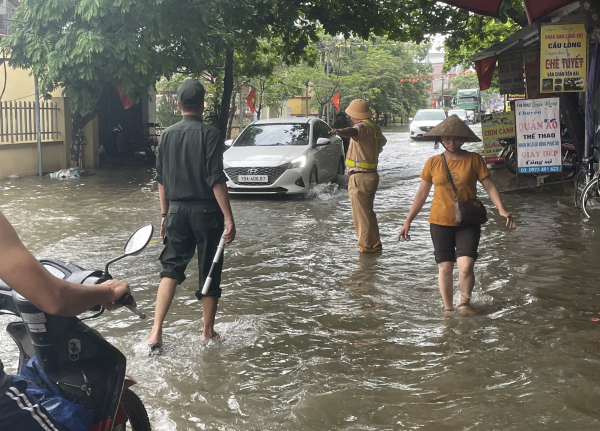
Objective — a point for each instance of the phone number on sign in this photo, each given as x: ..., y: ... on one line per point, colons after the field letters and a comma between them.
x: 538, y: 170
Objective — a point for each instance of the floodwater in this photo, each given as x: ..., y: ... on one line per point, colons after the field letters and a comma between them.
x: 318, y: 337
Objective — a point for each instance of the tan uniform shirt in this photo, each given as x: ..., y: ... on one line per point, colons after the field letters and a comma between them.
x: 362, y: 147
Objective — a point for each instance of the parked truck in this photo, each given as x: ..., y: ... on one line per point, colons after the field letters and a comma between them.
x: 469, y: 100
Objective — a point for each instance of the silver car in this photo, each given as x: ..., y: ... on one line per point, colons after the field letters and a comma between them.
x: 283, y: 156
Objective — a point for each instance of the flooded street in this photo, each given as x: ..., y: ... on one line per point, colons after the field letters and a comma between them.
x: 318, y: 337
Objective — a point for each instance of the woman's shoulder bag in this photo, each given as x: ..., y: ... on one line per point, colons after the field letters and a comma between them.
x: 467, y: 212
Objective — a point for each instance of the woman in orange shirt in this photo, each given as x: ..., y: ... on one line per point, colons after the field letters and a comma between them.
x: 451, y: 242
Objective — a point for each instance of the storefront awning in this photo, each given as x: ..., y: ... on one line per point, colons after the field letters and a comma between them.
x: 535, y: 9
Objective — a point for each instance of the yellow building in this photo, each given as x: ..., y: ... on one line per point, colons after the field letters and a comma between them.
x: 18, y: 138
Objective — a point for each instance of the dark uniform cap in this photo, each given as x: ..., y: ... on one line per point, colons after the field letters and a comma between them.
x: 190, y: 92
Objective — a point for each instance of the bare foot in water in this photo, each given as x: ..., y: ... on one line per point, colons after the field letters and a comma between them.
x: 213, y: 336
x: 448, y: 312
x: 466, y: 310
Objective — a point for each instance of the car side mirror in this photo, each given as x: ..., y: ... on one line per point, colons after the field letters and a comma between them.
x: 229, y: 142
x: 322, y: 141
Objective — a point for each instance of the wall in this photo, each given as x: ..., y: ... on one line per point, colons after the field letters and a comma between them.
x: 22, y: 158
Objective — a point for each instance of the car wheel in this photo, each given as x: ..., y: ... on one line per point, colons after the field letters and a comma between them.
x: 314, y: 177
x: 341, y: 167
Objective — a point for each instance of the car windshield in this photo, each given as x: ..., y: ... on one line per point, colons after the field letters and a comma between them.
x: 467, y: 99
x: 429, y: 115
x: 461, y: 113
x: 266, y: 135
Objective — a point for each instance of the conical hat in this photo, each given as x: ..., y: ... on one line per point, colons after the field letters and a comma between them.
x: 359, y: 109
x: 452, y: 127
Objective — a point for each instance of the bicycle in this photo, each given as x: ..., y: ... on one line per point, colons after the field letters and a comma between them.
x: 590, y: 196
x: 585, y: 171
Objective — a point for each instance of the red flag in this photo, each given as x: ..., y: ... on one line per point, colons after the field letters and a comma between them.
x: 127, y: 103
x: 336, y: 101
x: 251, y: 100
x: 485, y: 71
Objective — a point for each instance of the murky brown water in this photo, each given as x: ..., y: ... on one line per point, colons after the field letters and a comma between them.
x: 316, y: 337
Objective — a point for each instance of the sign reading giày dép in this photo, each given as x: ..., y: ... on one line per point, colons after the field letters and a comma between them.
x: 563, y: 56
x: 538, y: 135
x: 494, y: 128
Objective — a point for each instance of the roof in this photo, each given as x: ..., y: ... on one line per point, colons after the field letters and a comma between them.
x: 286, y: 120
x: 528, y: 38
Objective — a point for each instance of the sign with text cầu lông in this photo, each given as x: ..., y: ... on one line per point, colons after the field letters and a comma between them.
x: 563, y: 55
x: 538, y: 135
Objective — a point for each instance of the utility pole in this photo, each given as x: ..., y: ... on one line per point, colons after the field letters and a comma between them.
x: 37, y: 125
x: 442, y: 91
x: 327, y: 73
x: 241, y: 107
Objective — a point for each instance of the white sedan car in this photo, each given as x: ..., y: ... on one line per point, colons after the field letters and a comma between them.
x: 283, y: 155
x: 424, y: 121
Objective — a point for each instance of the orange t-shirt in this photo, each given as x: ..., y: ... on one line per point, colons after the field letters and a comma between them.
x: 465, y: 171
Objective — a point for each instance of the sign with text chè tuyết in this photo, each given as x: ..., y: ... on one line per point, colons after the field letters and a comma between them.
x: 538, y: 135
x: 563, y: 54
x: 495, y: 127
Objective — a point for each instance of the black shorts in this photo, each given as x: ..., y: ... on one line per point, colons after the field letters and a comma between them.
x: 452, y: 242
x: 191, y: 226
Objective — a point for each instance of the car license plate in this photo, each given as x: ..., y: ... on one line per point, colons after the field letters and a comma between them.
x: 253, y: 178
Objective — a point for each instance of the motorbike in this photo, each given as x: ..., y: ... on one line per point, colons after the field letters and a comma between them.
x: 85, y: 368
x: 143, y: 149
x: 568, y: 155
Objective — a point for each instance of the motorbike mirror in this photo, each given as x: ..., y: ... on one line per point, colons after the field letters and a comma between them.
x: 139, y: 240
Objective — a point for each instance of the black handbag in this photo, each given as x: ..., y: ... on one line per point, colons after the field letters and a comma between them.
x: 469, y: 212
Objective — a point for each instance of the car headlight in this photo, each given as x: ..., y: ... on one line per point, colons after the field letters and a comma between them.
x: 298, y: 162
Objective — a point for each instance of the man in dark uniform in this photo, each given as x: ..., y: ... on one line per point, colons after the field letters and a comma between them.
x: 195, y: 206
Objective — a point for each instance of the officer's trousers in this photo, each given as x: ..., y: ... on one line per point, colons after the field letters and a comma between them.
x: 361, y: 190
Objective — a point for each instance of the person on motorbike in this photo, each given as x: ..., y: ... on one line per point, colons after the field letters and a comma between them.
x: 25, y: 275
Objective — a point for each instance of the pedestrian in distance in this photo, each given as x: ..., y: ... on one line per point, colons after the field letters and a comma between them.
x: 366, y: 142
x: 195, y: 207
x: 453, y: 242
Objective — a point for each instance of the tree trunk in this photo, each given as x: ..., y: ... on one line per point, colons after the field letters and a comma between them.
x: 231, y: 114
x: 573, y: 118
x: 227, y: 90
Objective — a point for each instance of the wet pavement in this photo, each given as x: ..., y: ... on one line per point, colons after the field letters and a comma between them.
x: 318, y: 337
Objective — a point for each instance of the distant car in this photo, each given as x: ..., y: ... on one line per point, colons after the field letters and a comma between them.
x: 283, y: 156
x: 460, y: 113
x: 424, y: 121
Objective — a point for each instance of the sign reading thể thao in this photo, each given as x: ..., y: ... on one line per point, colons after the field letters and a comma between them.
x: 538, y: 135
x: 563, y: 58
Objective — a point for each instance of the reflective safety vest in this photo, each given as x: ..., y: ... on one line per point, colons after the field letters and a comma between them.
x: 377, y: 136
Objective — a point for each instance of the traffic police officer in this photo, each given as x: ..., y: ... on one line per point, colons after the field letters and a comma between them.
x: 195, y: 207
x: 366, y: 143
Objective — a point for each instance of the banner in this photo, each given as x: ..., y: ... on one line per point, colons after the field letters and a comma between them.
x: 251, y: 100
x: 496, y: 126
x: 532, y: 74
x: 336, y: 101
x: 125, y: 101
x: 510, y: 73
x: 563, y: 54
x: 538, y: 135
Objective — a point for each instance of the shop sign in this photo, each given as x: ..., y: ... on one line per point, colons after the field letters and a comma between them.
x: 538, y: 135
x: 510, y: 73
x: 515, y: 96
x: 532, y: 74
x: 494, y: 127
x: 563, y: 58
